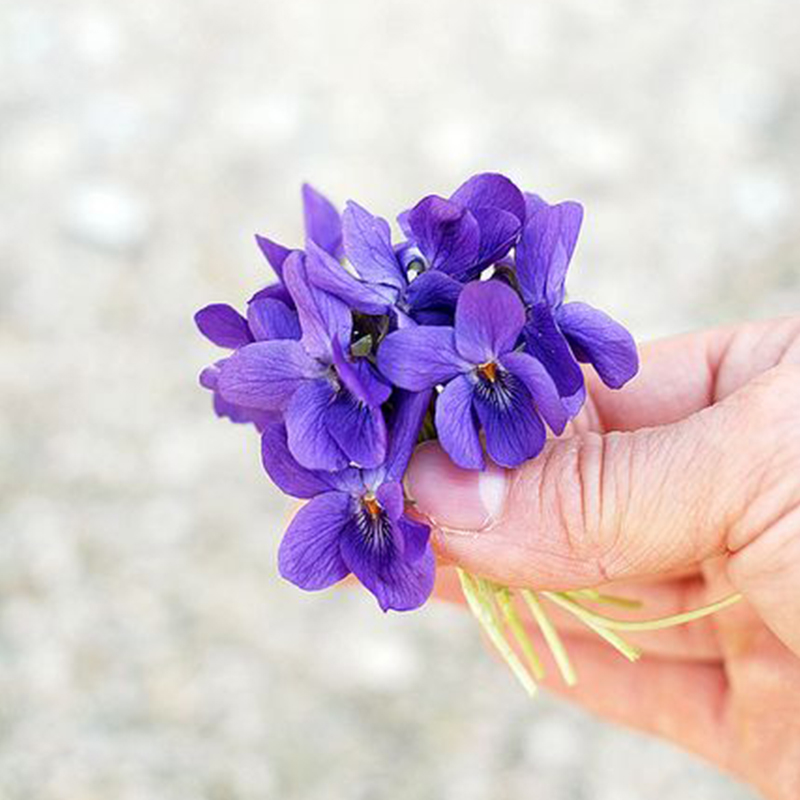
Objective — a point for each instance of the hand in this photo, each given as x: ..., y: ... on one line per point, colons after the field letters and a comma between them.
x: 685, y: 484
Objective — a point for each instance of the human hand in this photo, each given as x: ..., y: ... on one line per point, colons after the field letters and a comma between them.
x: 678, y: 490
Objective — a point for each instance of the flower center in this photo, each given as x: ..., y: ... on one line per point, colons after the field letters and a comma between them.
x: 488, y: 371
x: 371, y: 505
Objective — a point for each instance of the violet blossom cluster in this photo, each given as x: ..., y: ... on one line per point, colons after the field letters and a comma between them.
x: 364, y: 346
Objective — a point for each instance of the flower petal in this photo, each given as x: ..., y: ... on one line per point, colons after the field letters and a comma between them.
x: 542, y: 388
x: 325, y: 272
x: 265, y: 375
x: 275, y: 291
x: 390, y: 496
x: 499, y: 231
x: 545, y: 342
x: 489, y: 318
x: 432, y: 298
x: 419, y: 358
x: 456, y: 424
x: 361, y: 378
x: 396, y: 583
x: 322, y: 221
x: 359, y: 430
x: 309, y: 438
x: 514, y: 431
x: 491, y: 190
x: 271, y: 319
x: 223, y: 325
x: 310, y: 553
x: 368, y: 246
x: 322, y: 316
x: 274, y: 253
x: 447, y: 235
x: 598, y: 339
x: 405, y: 424
x: 283, y: 469
x: 416, y: 536
x: 545, y: 249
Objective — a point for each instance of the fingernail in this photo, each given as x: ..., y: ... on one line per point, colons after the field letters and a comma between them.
x: 454, y: 498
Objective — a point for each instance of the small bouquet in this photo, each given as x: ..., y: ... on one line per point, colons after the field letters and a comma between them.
x: 365, y: 346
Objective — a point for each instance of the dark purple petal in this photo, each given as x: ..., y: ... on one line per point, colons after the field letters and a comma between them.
x: 271, y: 319
x: 545, y: 342
x: 499, y: 231
x: 390, y: 496
x: 326, y: 273
x: 322, y: 221
x: 542, y: 388
x: 310, y: 440
x: 514, y: 431
x: 574, y: 403
x: 282, y: 467
x: 265, y: 375
x: 274, y: 253
x: 599, y: 340
x: 358, y: 429
x: 489, y: 318
x: 416, y: 536
x: 405, y: 424
x: 456, y: 424
x: 419, y: 358
x: 433, y: 295
x: 545, y: 249
x: 361, y: 378
x: 310, y: 553
x: 223, y: 325
x: 322, y: 316
x: 491, y: 190
x: 376, y: 562
x: 275, y: 291
x: 368, y: 247
x: 447, y: 235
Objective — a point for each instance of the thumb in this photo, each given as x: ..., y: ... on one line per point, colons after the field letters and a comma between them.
x: 593, y: 508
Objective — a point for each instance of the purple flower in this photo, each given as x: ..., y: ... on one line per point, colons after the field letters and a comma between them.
x: 267, y: 319
x: 488, y: 383
x: 331, y: 401
x: 561, y: 334
x: 356, y: 521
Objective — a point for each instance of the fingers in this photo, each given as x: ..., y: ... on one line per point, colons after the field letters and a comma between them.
x: 595, y: 508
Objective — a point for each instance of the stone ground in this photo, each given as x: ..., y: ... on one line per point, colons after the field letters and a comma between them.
x: 148, y: 650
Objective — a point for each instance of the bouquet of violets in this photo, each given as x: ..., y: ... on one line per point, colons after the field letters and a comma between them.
x: 364, y: 346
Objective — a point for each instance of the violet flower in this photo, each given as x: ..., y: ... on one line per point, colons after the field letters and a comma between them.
x: 331, y: 401
x: 356, y: 521
x: 487, y: 382
x: 560, y: 334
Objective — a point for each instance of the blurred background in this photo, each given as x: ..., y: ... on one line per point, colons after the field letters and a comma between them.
x: 148, y: 649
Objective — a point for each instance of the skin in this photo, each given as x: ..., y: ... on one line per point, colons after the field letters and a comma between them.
x: 678, y: 490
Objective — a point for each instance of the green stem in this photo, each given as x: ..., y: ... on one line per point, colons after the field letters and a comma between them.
x: 504, y: 600
x: 551, y: 636
x: 593, y: 596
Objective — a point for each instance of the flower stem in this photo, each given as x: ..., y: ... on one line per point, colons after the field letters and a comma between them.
x: 551, y: 636
x: 504, y: 600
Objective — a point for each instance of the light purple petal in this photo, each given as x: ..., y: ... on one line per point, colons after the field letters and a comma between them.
x: 514, y: 432
x: 545, y: 342
x: 265, y: 375
x: 598, y: 339
x: 325, y: 272
x: 489, y: 318
x: 396, y: 583
x: 542, y: 388
x: 310, y: 553
x: 499, y: 231
x: 310, y: 440
x: 456, y: 424
x: 491, y: 190
x: 447, y: 235
x: 243, y: 415
x: 416, y: 536
x: 274, y: 253
x: 361, y: 378
x: 405, y: 424
x: 271, y: 319
x: 368, y: 246
x: 433, y: 295
x: 359, y: 430
x: 223, y: 325
x: 419, y: 358
x: 282, y: 467
x: 545, y: 249
x: 275, y: 291
x: 390, y: 496
x: 322, y: 316
x: 322, y: 221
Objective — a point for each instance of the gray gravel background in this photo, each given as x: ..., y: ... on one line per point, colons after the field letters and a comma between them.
x: 148, y: 650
